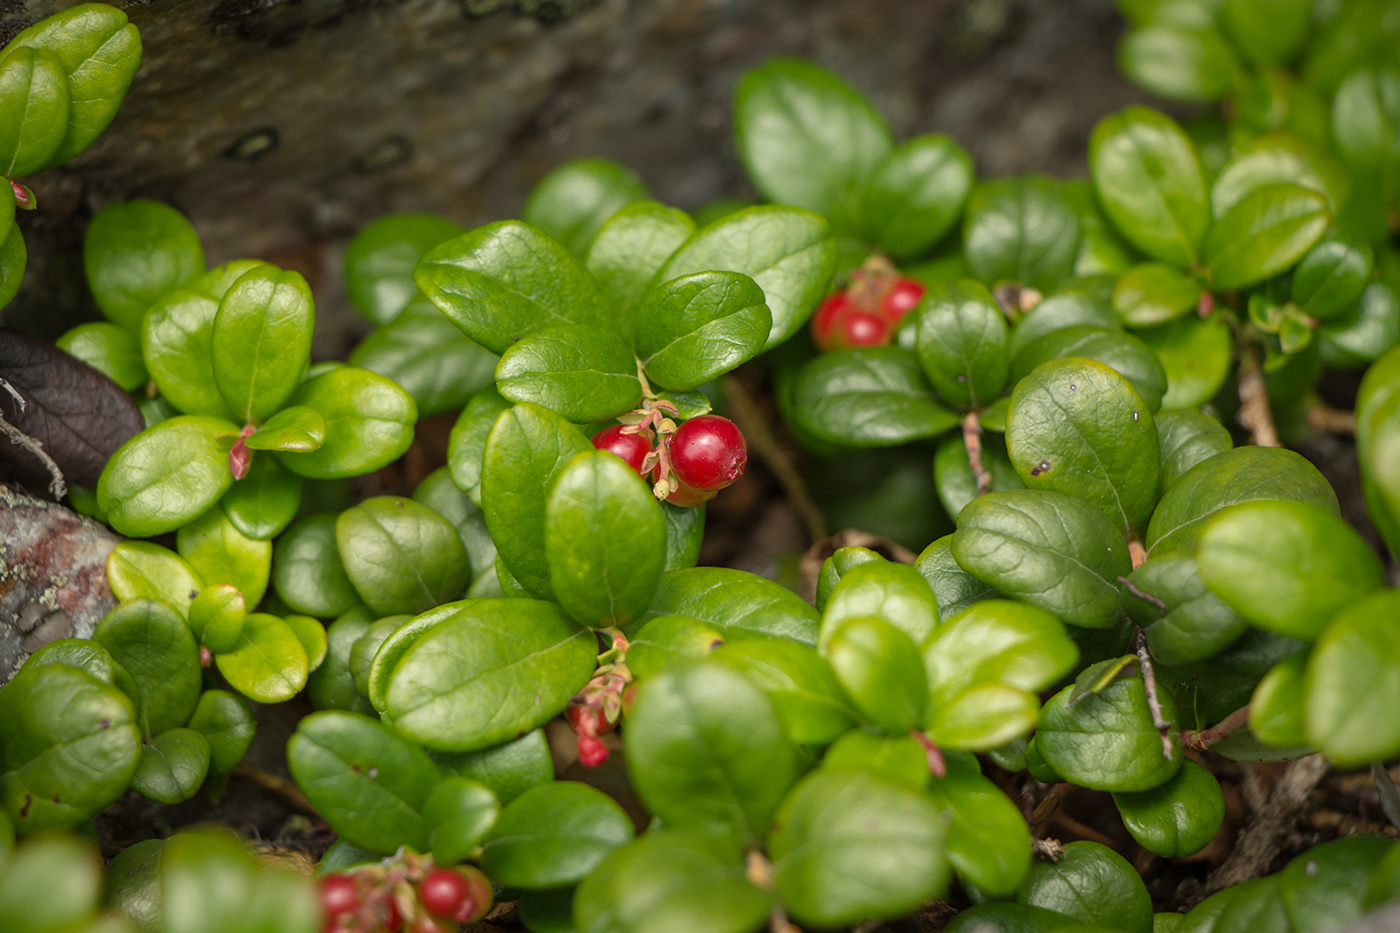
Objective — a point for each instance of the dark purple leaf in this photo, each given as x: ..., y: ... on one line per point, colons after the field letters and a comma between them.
x: 79, y: 415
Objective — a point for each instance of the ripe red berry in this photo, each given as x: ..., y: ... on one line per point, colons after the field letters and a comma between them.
x: 479, y: 896
x: 591, y: 751
x: 586, y: 720
x: 708, y: 453
x: 825, y: 316
x: 339, y: 897
x: 903, y: 297
x: 632, y: 448
x: 393, y: 920
x: 856, y: 328
x: 685, y: 496
x: 443, y: 892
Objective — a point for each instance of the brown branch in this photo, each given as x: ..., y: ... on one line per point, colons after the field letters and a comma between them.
x: 1327, y: 420
x: 1255, y: 415
x: 761, y: 440
x: 1204, y: 738
x: 57, y: 484
x: 972, y: 440
x: 1149, y: 683
x: 1257, y: 847
x: 282, y: 787
x: 1045, y: 810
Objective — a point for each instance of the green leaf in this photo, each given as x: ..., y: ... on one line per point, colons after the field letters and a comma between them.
x: 1267, y: 32
x: 525, y: 452
x: 380, y: 260
x: 1331, y: 278
x: 1245, y: 474
x: 736, y: 604
x: 789, y: 253
x: 377, y: 652
x: 1209, y: 691
x: 227, y: 724
x: 1121, y: 352
x: 1177, y: 818
x: 899, y: 757
x: 108, y: 348
x: 153, y: 644
x: 12, y: 257
x: 401, y: 557
x: 705, y: 750
x: 985, y: 717
x: 916, y: 194
x: 962, y: 344
x: 1152, y: 293
x: 368, y: 782
x: 1107, y: 740
x: 173, y: 766
x: 68, y: 870
x: 261, y: 341
x: 800, y: 684
x: 307, y: 570
x: 297, y: 429
x: 1023, y: 229
x: 954, y: 588
x: 166, y: 475
x: 430, y: 358
x: 177, y: 346
x: 809, y: 139
x: 1192, y: 624
x: 1365, y: 332
x: 1287, y: 567
x: 133, y: 883
x: 369, y: 423
x: 332, y: 685
x: 554, y: 835
x: 1047, y: 549
x: 220, y: 553
x: 870, y: 397
x: 580, y: 372
x: 668, y: 880
x: 574, y: 200
x: 1187, y: 437
x: 68, y: 746
x: 667, y: 641
x: 695, y: 328
x: 1077, y: 427
x: 1178, y: 63
x: 439, y: 493
x: 138, y: 569
x: 1269, y: 230
x: 33, y: 111
x: 81, y: 653
x: 988, y: 840
x: 628, y: 252
x: 467, y: 442
x: 269, y: 663
x: 1366, y: 132
x: 1072, y: 307
x: 505, y: 281
x: 841, y: 562
x: 461, y: 812
x: 1326, y: 886
x: 894, y: 593
x: 685, y: 529
x: 1276, y: 707
x: 848, y: 846
x: 210, y: 883
x: 509, y: 769
x: 1351, y: 688
x: 996, y: 641
x: 490, y: 671
x: 878, y: 667
x: 1092, y: 884
x: 604, y: 540
x: 134, y: 253
x: 1278, y: 159
x: 1196, y: 356
x: 1149, y: 180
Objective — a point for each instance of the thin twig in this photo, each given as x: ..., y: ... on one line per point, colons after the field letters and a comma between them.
x: 1255, y: 415
x: 279, y: 785
x: 57, y: 485
x: 1149, y: 682
x: 1142, y: 595
x: 14, y: 393
x: 1327, y: 420
x: 761, y: 440
x: 1205, y: 738
x: 1047, y: 807
x: 972, y: 440
x: 1257, y: 849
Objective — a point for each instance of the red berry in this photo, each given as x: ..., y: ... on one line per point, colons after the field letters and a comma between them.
x: 687, y: 497
x: 339, y: 897
x: 708, y: 453
x: 479, y: 897
x: 588, y: 721
x: 591, y: 751
x: 903, y: 297
x: 857, y: 328
x: 443, y: 892
x: 826, y: 314
x: 393, y: 920
x: 632, y: 448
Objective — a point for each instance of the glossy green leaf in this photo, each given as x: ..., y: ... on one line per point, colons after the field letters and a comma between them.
x: 1023, y: 229
x: 916, y: 194
x: 264, y: 502
x: 1073, y: 307
x: 505, y: 281
x: 68, y: 870
x: 1245, y: 474
x: 369, y: 423
x: 1153, y: 293
x: 153, y: 644
x: 841, y: 562
x: 670, y: 880
x: 898, y: 758
x: 848, y: 846
x: 1269, y: 230
x: 962, y: 344
x: 1196, y: 355
x: 307, y: 569
x: 1077, y: 427
x: 166, y: 475
x: 1186, y: 437
x: 460, y: 813
x: 1325, y: 887
x: 1009, y: 917
x: 269, y: 663
x: 694, y: 328
x: 108, y: 348
x: 1047, y: 549
x: 870, y: 397
x: 628, y: 252
x: 82, y: 653
x: 133, y: 883
x: 489, y: 672
x: 1276, y: 707
x: 789, y: 253
x: 666, y: 641
x: 685, y: 529
x: 332, y: 686
x: 809, y: 139
x: 1092, y: 884
x: 68, y: 746
x: 312, y: 635
x: 261, y: 340
x: 578, y: 197
x: 988, y: 840
x: 1331, y: 278
x: 211, y: 883
x: 1277, y: 159
x: 33, y: 111
x: 1149, y: 180
x: 378, y: 651
x: 220, y: 553
x: 554, y: 835
x: 1360, y: 335
x: 134, y: 253
x: 297, y: 429
x: 430, y: 358
x: 954, y: 588
x: 1177, y: 818
x: 467, y: 442
x: 177, y: 346
x: 173, y: 766
x: 99, y: 52
x: 736, y: 604
x: 380, y: 260
x: 138, y: 569
x: 1351, y: 688
x: 800, y: 684
x: 12, y: 259
x: 401, y: 557
x: 1121, y: 352
x: 705, y: 750
x: 580, y: 372
x: 878, y: 667
x: 228, y: 725
x: 996, y: 641
x: 1107, y: 740
x: 439, y: 493
x: 368, y: 782
x: 1178, y: 63
x: 1366, y: 131
x: 508, y: 769
x: 1192, y: 623
x: 895, y: 593
x: 1268, y: 33
x: 604, y: 540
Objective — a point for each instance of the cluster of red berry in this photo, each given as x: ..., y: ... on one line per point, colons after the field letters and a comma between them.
x: 867, y: 311
x: 704, y: 455
x: 375, y: 901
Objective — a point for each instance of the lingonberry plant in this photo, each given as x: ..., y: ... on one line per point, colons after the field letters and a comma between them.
x: 1125, y: 599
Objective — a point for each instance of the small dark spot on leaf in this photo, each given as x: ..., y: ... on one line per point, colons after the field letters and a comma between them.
x: 254, y: 145
x: 57, y: 799
x: 1073, y: 387
x: 28, y: 800
x: 1041, y: 467
x: 717, y: 643
x: 961, y: 377
x: 104, y: 724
